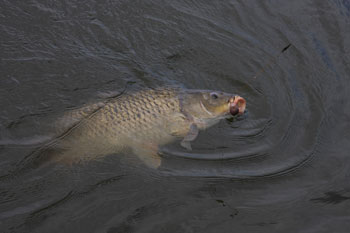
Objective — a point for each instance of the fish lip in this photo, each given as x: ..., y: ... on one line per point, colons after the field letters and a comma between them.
x: 235, y: 103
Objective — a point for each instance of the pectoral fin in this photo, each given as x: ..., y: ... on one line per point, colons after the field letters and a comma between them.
x: 177, y: 125
x: 191, y: 135
x: 148, y: 154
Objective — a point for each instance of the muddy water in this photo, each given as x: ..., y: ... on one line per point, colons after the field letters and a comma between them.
x: 281, y: 167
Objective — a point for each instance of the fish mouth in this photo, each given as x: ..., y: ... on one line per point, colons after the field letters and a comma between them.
x: 237, y: 105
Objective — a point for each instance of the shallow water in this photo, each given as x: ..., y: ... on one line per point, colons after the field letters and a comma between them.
x: 282, y: 167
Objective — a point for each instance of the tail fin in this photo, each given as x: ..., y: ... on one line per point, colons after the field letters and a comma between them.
x: 39, y: 158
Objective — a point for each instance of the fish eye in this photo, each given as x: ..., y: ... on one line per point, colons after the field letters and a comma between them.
x: 214, y: 95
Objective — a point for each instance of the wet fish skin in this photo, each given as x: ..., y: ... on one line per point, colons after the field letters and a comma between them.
x: 142, y: 121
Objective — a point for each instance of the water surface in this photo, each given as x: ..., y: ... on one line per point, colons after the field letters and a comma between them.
x: 282, y: 167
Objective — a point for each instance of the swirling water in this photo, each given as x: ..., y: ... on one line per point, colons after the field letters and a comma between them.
x: 282, y: 167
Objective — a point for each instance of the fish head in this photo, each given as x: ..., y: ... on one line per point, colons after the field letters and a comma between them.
x: 204, y: 104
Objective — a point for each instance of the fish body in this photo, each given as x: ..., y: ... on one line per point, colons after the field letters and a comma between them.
x: 142, y: 121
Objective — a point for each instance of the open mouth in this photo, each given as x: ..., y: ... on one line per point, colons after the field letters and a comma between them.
x: 237, y: 105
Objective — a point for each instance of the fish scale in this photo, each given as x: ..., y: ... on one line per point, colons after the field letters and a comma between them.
x: 131, y: 112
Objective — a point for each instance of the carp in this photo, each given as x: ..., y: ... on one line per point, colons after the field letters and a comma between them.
x: 142, y: 121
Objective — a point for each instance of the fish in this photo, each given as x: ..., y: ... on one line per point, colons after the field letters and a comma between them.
x: 141, y: 121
